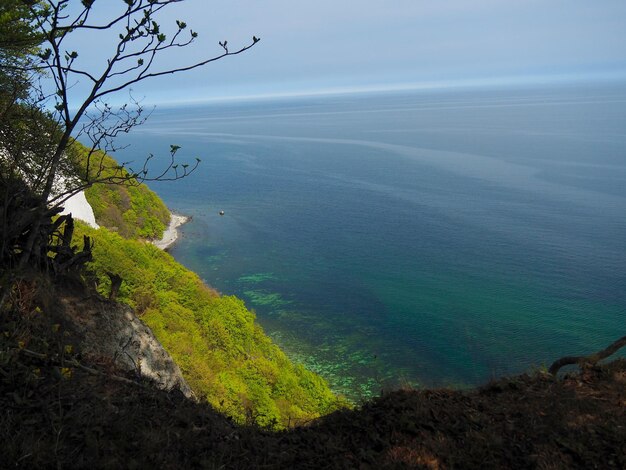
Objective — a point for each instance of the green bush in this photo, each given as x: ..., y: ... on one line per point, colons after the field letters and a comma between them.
x: 223, y: 354
x: 132, y: 210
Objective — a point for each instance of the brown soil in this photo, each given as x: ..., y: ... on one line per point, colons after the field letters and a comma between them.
x: 56, y: 410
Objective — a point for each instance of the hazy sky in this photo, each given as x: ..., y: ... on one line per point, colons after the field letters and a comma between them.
x: 326, y: 45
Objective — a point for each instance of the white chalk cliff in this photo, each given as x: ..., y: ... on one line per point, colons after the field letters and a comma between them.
x: 80, y: 209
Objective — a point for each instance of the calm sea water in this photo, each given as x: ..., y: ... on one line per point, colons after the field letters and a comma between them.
x: 423, y: 239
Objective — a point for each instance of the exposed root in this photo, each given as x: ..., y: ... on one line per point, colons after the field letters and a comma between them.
x: 591, y: 360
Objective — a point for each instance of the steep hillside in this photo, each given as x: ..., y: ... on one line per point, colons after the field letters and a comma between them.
x: 132, y: 210
x: 82, y: 378
x: 57, y: 409
x: 111, y: 333
x: 223, y: 354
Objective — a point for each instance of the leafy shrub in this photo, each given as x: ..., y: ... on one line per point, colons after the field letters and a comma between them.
x: 134, y: 211
x: 223, y: 354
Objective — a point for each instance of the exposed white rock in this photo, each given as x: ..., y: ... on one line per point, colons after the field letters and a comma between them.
x: 77, y: 205
x: 80, y: 209
x: 111, y: 332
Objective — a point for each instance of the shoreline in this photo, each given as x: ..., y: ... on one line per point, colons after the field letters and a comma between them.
x: 171, y: 234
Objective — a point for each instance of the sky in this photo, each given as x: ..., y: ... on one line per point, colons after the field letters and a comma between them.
x: 326, y: 46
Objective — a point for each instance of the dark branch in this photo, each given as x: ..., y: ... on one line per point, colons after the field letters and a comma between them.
x: 592, y: 359
x: 173, y: 71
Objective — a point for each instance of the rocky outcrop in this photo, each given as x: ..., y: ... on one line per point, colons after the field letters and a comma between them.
x: 80, y: 209
x: 110, y: 332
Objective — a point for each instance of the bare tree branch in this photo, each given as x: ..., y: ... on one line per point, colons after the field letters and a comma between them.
x: 592, y: 359
x: 132, y: 60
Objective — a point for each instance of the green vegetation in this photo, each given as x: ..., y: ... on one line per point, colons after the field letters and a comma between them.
x: 18, y: 40
x: 223, y: 354
x: 132, y: 210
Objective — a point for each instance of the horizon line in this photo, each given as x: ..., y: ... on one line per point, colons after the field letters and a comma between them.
x: 505, y: 81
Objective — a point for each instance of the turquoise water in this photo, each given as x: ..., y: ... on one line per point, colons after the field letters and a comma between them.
x: 422, y: 239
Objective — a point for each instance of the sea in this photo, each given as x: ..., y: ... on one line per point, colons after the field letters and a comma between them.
x: 418, y: 238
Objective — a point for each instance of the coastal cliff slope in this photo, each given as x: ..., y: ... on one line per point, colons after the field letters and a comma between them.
x: 223, y: 354
x: 111, y: 332
x: 85, y: 383
x: 62, y: 407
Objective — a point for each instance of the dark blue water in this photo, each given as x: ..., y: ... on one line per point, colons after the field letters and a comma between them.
x: 425, y: 238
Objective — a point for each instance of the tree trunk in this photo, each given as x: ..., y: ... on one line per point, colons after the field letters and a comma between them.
x: 41, y: 210
x: 116, y: 283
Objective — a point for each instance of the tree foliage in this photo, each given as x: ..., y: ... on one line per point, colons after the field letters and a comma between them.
x: 46, y: 113
x: 223, y: 353
x: 18, y: 43
x: 133, y: 210
x: 141, y: 39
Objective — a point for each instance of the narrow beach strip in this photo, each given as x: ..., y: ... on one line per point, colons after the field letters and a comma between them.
x: 170, y: 235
